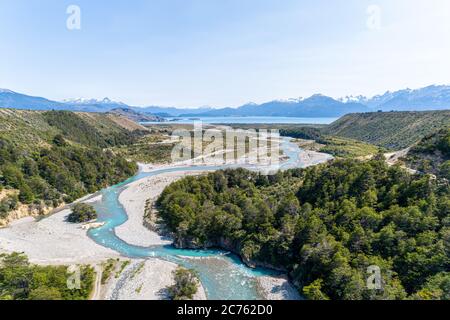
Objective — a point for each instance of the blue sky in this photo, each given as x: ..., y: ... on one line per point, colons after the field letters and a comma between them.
x: 221, y: 52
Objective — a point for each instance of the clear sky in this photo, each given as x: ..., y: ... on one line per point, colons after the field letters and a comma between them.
x: 222, y: 52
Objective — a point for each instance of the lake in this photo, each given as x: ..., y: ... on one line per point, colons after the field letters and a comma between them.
x: 248, y: 120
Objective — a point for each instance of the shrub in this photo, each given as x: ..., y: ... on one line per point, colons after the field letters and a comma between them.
x: 82, y: 212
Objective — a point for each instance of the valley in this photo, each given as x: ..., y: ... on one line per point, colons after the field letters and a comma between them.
x: 122, y: 231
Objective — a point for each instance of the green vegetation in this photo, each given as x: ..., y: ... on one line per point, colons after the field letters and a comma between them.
x: 432, y: 154
x: 78, y: 130
x: 391, y: 130
x: 8, y: 204
x: 186, y: 285
x: 138, y: 270
x: 82, y: 212
x: 148, y: 149
x: 20, y: 280
x: 325, y: 225
x: 122, y: 267
x: 108, y: 268
x: 340, y: 147
x: 311, y: 138
x: 55, y: 157
x: 348, y: 148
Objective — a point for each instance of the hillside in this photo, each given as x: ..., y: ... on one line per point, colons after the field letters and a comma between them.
x: 135, y: 115
x: 392, y: 130
x: 51, y: 158
x: 325, y: 225
x: 432, y: 154
x: 37, y: 128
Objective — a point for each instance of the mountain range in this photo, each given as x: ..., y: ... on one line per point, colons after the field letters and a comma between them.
x: 429, y: 98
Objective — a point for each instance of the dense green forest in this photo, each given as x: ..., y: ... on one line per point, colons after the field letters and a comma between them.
x: 432, y: 154
x: 79, y: 130
x: 65, y: 161
x: 20, y: 280
x: 391, y: 130
x: 325, y: 225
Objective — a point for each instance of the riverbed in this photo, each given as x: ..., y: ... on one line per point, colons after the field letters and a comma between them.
x: 120, y: 209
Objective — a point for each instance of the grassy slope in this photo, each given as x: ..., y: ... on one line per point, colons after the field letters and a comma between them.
x: 432, y: 154
x: 33, y: 129
x: 36, y: 171
x: 392, y: 130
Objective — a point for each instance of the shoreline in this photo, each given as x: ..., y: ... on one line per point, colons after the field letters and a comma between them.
x: 134, y: 199
x: 52, y: 241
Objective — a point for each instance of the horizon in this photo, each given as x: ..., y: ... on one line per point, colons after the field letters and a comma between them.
x: 87, y: 100
x: 221, y: 54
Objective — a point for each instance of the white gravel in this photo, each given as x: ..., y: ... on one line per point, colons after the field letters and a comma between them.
x: 145, y: 280
x: 133, y: 200
x: 52, y: 241
x: 277, y: 288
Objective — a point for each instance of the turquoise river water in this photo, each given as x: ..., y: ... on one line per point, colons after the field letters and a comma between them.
x: 223, y: 275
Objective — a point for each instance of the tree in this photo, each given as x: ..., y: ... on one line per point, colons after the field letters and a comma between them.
x: 186, y: 285
x: 59, y: 140
x: 26, y: 194
x: 314, y: 291
x: 329, y: 222
x: 436, y: 288
x: 45, y: 293
x: 82, y: 212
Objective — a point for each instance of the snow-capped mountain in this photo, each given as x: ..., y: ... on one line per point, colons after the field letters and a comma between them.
x: 5, y: 91
x: 11, y: 99
x: 355, y: 99
x: 85, y: 101
x: 429, y: 98
x: 317, y: 105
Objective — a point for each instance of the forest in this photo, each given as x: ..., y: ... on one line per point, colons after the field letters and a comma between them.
x: 61, y: 173
x: 20, y: 280
x: 324, y: 225
x: 67, y: 161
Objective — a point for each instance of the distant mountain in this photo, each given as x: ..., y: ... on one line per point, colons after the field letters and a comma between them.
x: 315, y: 106
x: 93, y: 105
x: 11, y: 99
x: 172, y: 111
x: 135, y: 116
x: 428, y: 98
x: 83, y: 101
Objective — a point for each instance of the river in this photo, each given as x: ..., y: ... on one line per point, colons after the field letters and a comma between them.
x: 223, y: 275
